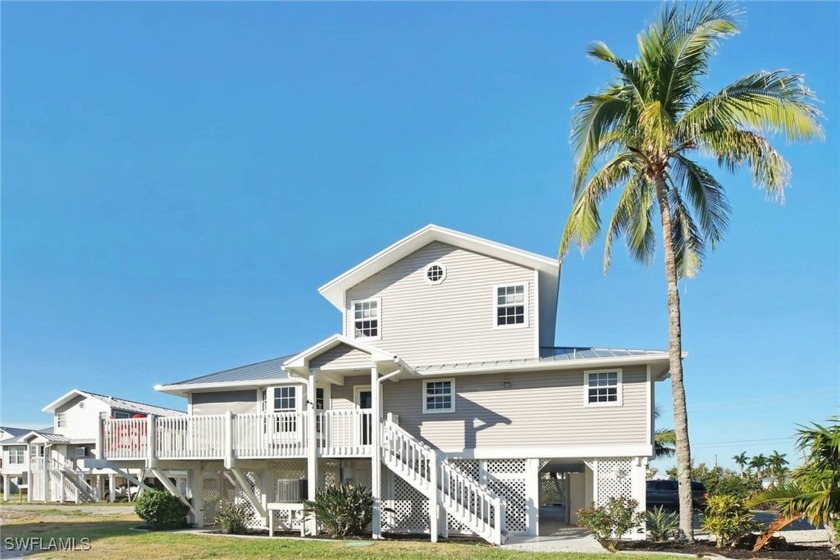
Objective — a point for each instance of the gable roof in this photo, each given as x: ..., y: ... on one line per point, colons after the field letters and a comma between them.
x: 334, y: 290
x: 15, y: 432
x: 26, y: 435
x: 248, y: 375
x: 301, y: 360
x: 113, y: 402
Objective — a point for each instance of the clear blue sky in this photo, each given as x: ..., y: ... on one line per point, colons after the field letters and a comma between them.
x: 178, y: 179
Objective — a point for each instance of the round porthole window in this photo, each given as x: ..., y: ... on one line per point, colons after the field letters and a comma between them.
x: 435, y: 273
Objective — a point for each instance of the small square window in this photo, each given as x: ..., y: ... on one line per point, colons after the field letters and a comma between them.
x: 439, y: 395
x: 366, y: 318
x: 603, y: 388
x: 511, y: 305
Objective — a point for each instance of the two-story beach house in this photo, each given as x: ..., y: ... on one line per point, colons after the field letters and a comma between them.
x: 50, y: 462
x: 442, y: 391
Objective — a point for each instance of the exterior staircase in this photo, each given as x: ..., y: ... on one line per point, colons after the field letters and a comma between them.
x: 443, y: 483
x: 85, y: 492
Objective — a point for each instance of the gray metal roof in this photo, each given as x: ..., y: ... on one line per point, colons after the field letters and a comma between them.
x: 15, y: 432
x: 133, y: 406
x: 46, y: 433
x: 260, y: 371
x: 559, y: 354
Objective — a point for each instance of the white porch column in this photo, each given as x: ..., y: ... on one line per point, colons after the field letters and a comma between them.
x: 112, y: 486
x: 434, y: 511
x: 532, y: 496
x: 375, y: 461
x: 311, y: 449
x: 195, y: 492
x: 6, y: 487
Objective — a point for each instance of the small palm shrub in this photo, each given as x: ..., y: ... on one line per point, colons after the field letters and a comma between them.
x: 343, y: 509
x: 611, y: 521
x: 161, y: 510
x: 233, y: 519
x: 728, y: 519
x: 662, y: 526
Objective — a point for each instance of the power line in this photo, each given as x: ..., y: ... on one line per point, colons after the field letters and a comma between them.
x: 741, y: 442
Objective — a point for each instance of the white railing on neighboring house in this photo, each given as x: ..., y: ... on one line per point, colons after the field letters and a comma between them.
x: 278, y: 434
x: 126, y: 438
x: 344, y: 433
x: 460, y: 495
x: 190, y: 437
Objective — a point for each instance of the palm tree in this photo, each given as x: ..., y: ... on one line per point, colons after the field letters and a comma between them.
x: 741, y: 460
x: 663, y: 443
x: 778, y: 466
x: 759, y: 463
x: 640, y: 135
x: 663, y: 440
x: 813, y: 491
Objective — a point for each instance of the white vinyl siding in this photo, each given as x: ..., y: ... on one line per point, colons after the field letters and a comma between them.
x: 536, y: 409
x: 450, y: 322
x: 342, y: 357
x: 438, y: 396
x: 219, y: 402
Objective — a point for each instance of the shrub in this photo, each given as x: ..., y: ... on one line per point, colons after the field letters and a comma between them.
x: 233, y: 519
x: 161, y: 510
x: 342, y: 509
x: 611, y: 521
x: 662, y: 526
x: 728, y: 519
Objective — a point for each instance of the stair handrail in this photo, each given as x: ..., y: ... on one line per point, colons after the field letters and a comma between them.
x: 489, y: 526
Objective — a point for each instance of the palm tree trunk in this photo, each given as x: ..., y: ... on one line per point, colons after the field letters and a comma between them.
x: 676, y: 371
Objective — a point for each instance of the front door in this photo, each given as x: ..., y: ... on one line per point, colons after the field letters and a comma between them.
x: 364, y: 400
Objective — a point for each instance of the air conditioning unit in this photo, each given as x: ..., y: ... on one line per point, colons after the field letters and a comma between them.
x: 291, y: 490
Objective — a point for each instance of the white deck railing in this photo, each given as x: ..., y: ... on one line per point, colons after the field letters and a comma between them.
x: 278, y: 434
x: 344, y: 433
x: 190, y: 437
x: 338, y: 433
x: 126, y: 438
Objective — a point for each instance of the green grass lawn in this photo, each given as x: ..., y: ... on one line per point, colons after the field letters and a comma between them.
x: 112, y: 536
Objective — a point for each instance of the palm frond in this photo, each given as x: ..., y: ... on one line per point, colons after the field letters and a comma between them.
x: 688, y: 243
x: 689, y: 45
x: 765, y: 102
x: 734, y: 148
x: 584, y: 222
x: 705, y: 194
x: 633, y: 218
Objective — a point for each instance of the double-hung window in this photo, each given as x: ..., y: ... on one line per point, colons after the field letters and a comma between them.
x: 511, y: 305
x: 439, y: 395
x: 60, y: 420
x: 367, y: 318
x: 16, y: 455
x: 285, y: 400
x: 603, y: 388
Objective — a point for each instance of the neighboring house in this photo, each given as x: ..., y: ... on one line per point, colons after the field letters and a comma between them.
x: 442, y: 391
x: 52, y: 461
x: 15, y: 460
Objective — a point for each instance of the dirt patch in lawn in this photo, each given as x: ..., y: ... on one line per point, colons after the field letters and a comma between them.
x: 700, y: 548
